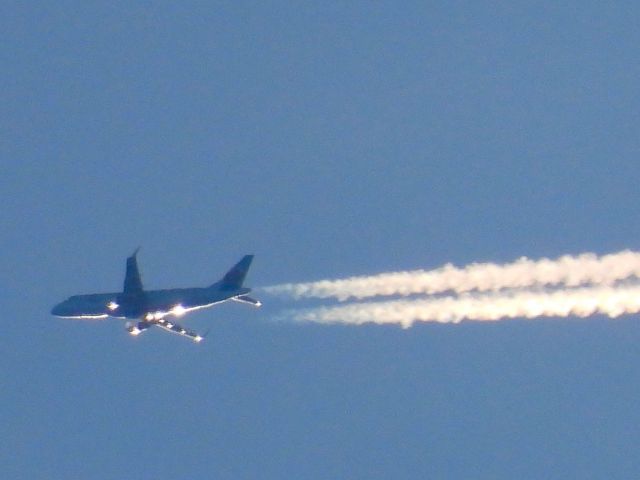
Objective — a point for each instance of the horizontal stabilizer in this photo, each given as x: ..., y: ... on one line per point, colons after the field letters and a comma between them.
x: 247, y: 299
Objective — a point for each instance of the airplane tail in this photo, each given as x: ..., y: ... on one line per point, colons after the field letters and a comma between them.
x: 234, y: 278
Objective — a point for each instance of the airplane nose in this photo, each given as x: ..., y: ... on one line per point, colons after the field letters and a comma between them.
x: 57, y: 310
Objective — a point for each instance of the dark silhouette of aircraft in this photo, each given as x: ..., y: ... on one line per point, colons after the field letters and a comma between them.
x: 156, y: 307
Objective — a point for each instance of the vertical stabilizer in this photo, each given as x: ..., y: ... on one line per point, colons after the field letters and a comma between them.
x: 234, y: 278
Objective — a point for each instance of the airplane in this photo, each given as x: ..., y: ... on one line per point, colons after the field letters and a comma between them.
x: 152, y: 307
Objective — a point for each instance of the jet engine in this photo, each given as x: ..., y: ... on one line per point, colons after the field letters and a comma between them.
x: 137, y: 328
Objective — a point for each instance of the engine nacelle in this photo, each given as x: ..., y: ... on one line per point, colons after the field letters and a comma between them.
x: 137, y: 328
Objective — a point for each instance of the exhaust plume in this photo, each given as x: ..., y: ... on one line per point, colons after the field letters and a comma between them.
x: 564, y: 272
x: 581, y: 302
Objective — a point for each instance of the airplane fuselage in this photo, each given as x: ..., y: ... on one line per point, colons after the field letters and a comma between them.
x: 150, y: 307
x: 154, y: 303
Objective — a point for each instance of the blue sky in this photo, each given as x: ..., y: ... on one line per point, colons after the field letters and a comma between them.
x: 330, y: 140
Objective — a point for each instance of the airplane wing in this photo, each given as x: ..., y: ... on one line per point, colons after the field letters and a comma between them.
x: 178, y: 330
x: 136, y: 329
x: 132, y: 280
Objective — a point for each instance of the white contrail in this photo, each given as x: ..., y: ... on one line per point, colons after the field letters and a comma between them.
x: 580, y: 302
x: 566, y: 271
